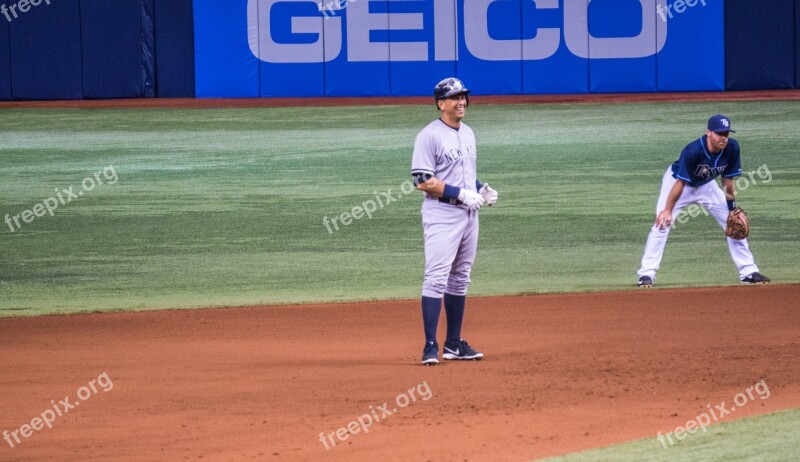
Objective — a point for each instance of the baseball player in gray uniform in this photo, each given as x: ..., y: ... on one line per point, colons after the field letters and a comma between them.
x: 444, y: 168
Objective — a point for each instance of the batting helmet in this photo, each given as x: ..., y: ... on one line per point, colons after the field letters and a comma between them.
x: 448, y: 87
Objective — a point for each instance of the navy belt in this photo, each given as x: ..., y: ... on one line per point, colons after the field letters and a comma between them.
x: 450, y: 201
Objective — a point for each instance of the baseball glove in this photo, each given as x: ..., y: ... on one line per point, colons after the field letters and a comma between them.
x: 738, y: 225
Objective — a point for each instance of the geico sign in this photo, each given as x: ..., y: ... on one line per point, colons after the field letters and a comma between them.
x: 360, y: 22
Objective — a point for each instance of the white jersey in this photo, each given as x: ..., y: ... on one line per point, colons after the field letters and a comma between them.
x: 447, y: 153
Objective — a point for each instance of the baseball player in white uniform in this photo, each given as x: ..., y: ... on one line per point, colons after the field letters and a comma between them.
x: 444, y: 168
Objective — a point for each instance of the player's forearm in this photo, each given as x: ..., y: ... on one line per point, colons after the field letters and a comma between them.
x: 433, y: 187
x: 729, y: 187
x: 674, y: 195
x: 437, y: 188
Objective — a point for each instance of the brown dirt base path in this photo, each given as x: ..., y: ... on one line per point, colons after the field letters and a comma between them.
x: 562, y: 373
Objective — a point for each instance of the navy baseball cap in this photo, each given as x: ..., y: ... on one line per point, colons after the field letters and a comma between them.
x: 720, y: 124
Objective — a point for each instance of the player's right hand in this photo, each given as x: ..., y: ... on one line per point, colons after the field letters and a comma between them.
x: 664, y: 219
x: 471, y: 199
x: 489, y: 195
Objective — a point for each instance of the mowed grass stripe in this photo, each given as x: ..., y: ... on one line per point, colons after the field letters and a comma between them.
x: 766, y: 438
x: 224, y: 207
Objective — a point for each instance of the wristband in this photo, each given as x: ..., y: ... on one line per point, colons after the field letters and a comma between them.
x: 451, y: 192
x: 731, y: 204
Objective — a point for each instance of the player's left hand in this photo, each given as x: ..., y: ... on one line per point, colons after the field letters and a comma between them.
x: 489, y: 195
x: 664, y: 219
x: 738, y: 224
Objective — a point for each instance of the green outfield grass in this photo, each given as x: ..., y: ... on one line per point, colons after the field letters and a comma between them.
x: 770, y: 438
x: 225, y: 206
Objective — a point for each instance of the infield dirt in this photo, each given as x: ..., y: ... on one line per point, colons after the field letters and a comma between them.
x: 562, y: 373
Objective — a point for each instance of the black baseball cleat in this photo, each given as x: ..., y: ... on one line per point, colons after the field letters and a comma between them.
x: 430, y: 354
x: 645, y: 282
x: 460, y: 349
x: 756, y: 278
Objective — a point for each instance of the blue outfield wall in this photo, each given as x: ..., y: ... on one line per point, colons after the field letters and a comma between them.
x: 694, y: 45
x: 223, y: 60
x: 76, y: 49
x: 174, y: 42
x: 309, y: 78
x: 797, y: 43
x: 403, y: 47
x: 5, y: 61
x: 613, y: 28
x: 760, y: 36
x: 117, y: 48
x: 73, y: 49
x: 45, y: 44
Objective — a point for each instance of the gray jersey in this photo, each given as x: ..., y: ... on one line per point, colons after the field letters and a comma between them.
x: 446, y: 153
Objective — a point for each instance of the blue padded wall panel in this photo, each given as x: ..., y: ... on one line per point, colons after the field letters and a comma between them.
x: 758, y: 40
x: 490, y: 46
x: 422, y: 45
x: 225, y: 66
x: 293, y: 30
x: 684, y: 66
x: 5, y: 62
x: 356, y: 50
x: 548, y: 65
x: 174, y: 41
x: 116, y: 60
x: 797, y: 43
x: 46, y: 52
x: 609, y: 22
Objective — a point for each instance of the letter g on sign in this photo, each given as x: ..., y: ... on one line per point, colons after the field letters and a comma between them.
x: 264, y: 46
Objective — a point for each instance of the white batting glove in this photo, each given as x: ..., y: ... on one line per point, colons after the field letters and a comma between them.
x: 471, y: 199
x: 489, y: 195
